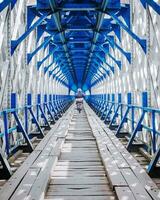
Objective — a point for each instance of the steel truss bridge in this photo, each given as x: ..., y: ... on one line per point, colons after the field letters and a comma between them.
x: 110, y: 50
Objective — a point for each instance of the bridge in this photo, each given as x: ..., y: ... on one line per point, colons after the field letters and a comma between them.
x: 108, y: 49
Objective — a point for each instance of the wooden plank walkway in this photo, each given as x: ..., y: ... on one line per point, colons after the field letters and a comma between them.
x: 80, y: 159
x: 79, y: 173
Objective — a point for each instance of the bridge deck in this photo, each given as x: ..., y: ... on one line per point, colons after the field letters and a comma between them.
x: 79, y: 173
x: 80, y: 159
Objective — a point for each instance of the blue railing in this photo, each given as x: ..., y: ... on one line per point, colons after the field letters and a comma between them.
x: 131, y: 120
x: 19, y: 123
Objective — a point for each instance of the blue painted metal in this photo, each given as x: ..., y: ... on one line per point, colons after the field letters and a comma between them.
x: 139, y: 123
x: 46, y: 42
x: 151, y: 3
x: 133, y: 35
x: 34, y: 120
x: 5, y: 120
x: 115, y: 115
x: 4, y: 4
x: 152, y: 166
x: 96, y: 102
x: 79, y: 38
x: 41, y: 111
x: 14, y: 44
x: 20, y: 127
x: 60, y: 103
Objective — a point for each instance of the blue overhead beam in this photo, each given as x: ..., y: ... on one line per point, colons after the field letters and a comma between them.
x: 152, y: 3
x: 4, y: 4
x: 15, y: 43
x: 142, y: 42
x: 59, y: 27
x: 44, y: 44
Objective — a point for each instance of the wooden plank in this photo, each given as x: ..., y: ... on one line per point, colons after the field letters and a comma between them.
x: 72, y: 163
x: 80, y: 159
x: 140, y: 173
x: 136, y: 187
x: 79, y: 187
x: 57, y: 150
x: 10, y: 186
x: 80, y: 180
x: 89, y: 150
x: 62, y: 131
x: 77, y: 177
x: 142, y: 176
x: 81, y: 168
x: 41, y: 162
x: 39, y: 187
x: 47, y: 137
x: 79, y: 138
x: 25, y: 186
x: 80, y: 154
x: 135, y: 166
x: 76, y: 190
x: 77, y: 173
x: 119, y: 159
x: 50, y: 146
x: 124, y: 193
x: 112, y: 170
x: 79, y: 197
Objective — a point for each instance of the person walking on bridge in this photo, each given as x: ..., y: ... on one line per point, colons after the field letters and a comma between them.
x: 79, y: 100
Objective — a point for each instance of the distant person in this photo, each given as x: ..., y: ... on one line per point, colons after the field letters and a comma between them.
x: 79, y: 100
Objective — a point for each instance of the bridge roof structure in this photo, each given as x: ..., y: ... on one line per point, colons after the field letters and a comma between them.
x: 80, y: 35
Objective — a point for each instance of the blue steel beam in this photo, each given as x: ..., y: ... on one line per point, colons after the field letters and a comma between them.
x: 97, y: 29
x: 99, y: 64
x: 113, y: 44
x: 51, y: 52
x: 59, y: 27
x: 4, y: 4
x: 44, y: 44
x: 15, y: 43
x: 151, y: 3
x: 142, y: 42
x: 104, y: 61
x: 94, y: 73
x: 97, y: 70
x: 118, y: 62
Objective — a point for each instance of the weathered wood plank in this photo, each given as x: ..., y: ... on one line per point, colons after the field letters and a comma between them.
x: 77, y: 173
x: 10, y: 186
x: 39, y: 187
x: 25, y: 186
x: 76, y: 190
x: 72, y: 163
x: 124, y: 193
x: 50, y: 146
x: 57, y: 150
x: 80, y: 181
x: 135, y: 186
x: 81, y: 168
x: 79, y: 197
